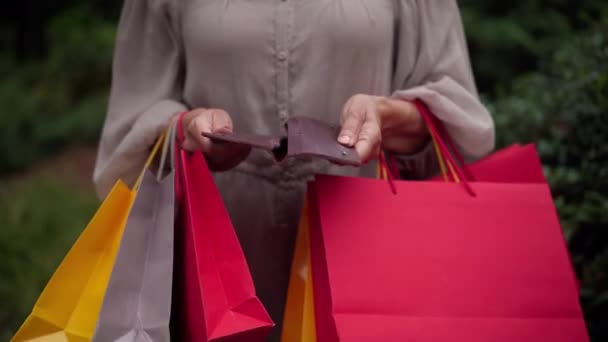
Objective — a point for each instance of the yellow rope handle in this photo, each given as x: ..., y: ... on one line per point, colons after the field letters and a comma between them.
x: 444, y: 173
x: 443, y: 162
x: 381, y: 171
x: 453, y: 172
x: 153, y: 153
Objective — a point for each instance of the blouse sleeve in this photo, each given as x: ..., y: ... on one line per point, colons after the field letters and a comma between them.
x: 146, y: 89
x: 432, y: 65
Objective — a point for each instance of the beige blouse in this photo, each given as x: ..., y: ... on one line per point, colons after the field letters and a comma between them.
x: 264, y: 61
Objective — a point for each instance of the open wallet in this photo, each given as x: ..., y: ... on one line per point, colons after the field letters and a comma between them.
x: 305, y: 137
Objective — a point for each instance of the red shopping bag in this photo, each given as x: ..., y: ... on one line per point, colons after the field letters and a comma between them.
x: 432, y: 262
x: 214, y: 295
x: 514, y: 164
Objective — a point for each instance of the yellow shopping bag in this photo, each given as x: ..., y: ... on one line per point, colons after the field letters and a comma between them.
x: 299, y: 319
x: 68, y: 308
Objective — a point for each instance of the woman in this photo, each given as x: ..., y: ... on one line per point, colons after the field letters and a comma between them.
x: 252, y: 65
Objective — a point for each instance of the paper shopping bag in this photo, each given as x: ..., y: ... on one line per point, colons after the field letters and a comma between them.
x: 214, y: 295
x: 299, y: 320
x: 69, y: 306
x: 431, y: 262
x: 137, y: 305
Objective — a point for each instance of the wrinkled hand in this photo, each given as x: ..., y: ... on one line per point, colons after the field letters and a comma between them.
x: 370, y: 123
x: 220, y: 156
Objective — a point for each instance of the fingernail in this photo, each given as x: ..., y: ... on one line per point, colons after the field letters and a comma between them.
x: 224, y: 129
x: 344, y: 139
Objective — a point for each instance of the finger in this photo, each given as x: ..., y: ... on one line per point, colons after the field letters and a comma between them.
x: 370, y: 136
x: 209, y: 121
x: 352, y: 122
x: 202, y: 123
x: 369, y: 140
x: 220, y: 121
x: 222, y: 153
x: 190, y: 143
x: 343, y: 138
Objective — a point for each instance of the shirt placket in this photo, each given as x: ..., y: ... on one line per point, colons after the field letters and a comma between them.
x: 284, y: 20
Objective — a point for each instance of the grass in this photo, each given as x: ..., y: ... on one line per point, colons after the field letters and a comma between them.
x: 40, y: 218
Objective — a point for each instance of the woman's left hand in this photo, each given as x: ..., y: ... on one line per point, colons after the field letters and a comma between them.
x: 371, y: 123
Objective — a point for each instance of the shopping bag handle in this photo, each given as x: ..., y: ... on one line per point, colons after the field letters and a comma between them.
x: 385, y: 173
x: 157, y: 145
x: 442, y: 132
x: 167, y: 150
x: 178, y: 140
x: 387, y: 166
x: 444, y: 165
x: 440, y: 136
x: 387, y: 169
x: 457, y: 170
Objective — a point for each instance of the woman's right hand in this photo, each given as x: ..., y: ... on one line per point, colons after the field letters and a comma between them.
x: 220, y: 156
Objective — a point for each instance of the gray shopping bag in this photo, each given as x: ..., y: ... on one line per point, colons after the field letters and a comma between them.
x: 137, y: 303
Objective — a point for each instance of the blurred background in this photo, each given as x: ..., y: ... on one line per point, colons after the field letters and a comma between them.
x: 541, y: 67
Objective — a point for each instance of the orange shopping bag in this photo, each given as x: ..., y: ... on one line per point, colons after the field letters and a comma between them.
x: 299, y: 319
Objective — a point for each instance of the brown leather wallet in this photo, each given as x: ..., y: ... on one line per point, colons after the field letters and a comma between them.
x: 305, y: 137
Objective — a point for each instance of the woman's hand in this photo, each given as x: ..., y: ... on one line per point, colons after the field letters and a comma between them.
x: 220, y: 156
x: 370, y: 123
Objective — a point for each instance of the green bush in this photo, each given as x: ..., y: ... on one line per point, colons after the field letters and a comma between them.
x: 61, y: 100
x: 564, y: 109
x: 508, y: 38
x: 41, y: 219
x: 560, y: 103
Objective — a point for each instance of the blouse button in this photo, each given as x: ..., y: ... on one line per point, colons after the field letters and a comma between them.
x: 282, y: 56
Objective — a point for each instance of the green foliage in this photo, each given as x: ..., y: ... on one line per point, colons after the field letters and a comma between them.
x: 508, y: 38
x: 60, y: 100
x: 40, y: 220
x: 543, y: 71
x: 564, y: 109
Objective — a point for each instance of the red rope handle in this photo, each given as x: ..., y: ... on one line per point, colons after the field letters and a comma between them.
x: 179, y: 139
x: 428, y: 118
x: 444, y: 133
x: 392, y: 164
x: 180, y: 128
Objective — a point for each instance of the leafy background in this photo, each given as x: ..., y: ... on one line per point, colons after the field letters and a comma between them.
x: 541, y: 67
